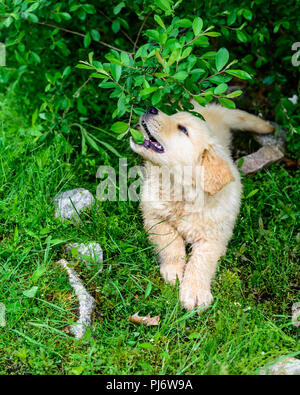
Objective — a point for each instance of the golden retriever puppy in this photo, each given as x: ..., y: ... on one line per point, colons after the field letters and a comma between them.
x: 191, y: 192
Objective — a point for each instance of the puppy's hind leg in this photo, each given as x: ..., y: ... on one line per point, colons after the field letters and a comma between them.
x: 170, y: 248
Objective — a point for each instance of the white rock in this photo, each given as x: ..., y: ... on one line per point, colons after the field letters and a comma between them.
x: 70, y: 203
x: 260, y: 159
x: 86, y: 301
x: 296, y: 314
x: 93, y: 250
x: 287, y: 366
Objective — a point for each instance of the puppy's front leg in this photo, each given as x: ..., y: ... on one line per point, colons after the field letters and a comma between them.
x: 170, y: 248
x: 199, y: 272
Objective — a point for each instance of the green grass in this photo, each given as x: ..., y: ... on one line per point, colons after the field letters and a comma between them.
x: 255, y: 286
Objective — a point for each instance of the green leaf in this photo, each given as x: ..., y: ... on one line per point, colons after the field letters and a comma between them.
x: 240, y: 163
x: 84, y: 66
x: 87, y: 40
x: 181, y: 75
x: 65, y: 15
x: 95, y: 35
x: 38, y: 273
x: 213, y: 34
x: 222, y: 58
x: 30, y: 293
x: 226, y: 102
x: 108, y: 84
x: 197, y: 25
x: 33, y: 7
x: 163, y: 5
x: 156, y: 98
x: 161, y: 75
x: 247, y: 14
x: 241, y: 36
x: 115, y: 26
x: 137, y: 136
x: 66, y: 72
x: 116, y: 71
x: 153, y: 34
x: 220, y: 89
x: 147, y: 91
x: 147, y: 345
x: 113, y: 59
x: 159, y: 21
x: 231, y: 18
x: 183, y: 23
x: 125, y: 58
x: 32, y: 17
x: 118, y: 8
x: 243, y: 75
x: 163, y: 38
x: 252, y: 193
x: 201, y: 100
x: 234, y: 94
x: 148, y: 290
x: 119, y: 127
x: 98, y: 75
x: 34, y: 117
x: 77, y: 370
x: 201, y: 41
x: 173, y: 57
x: 89, y: 8
x: 186, y: 52
x: 109, y: 147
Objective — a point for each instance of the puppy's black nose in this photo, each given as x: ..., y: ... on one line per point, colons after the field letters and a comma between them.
x: 152, y: 110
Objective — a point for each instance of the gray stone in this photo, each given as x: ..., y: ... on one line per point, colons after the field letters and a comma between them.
x: 86, y: 301
x: 92, y: 250
x: 68, y: 204
x: 287, y: 366
x: 296, y: 314
x: 278, y: 139
x: 260, y: 159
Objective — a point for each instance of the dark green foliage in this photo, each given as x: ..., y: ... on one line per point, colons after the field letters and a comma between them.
x: 130, y: 55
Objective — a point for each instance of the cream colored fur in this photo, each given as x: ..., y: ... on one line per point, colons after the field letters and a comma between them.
x: 206, y: 225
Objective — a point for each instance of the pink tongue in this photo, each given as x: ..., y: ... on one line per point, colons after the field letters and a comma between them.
x: 156, y: 145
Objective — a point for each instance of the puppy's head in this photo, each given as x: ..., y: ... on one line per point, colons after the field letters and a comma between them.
x: 185, y: 140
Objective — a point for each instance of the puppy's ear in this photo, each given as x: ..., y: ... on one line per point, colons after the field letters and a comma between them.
x: 216, y: 172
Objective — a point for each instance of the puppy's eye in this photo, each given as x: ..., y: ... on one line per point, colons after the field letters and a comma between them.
x: 183, y: 129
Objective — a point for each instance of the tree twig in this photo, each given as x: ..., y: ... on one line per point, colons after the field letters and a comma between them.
x: 78, y: 34
x: 121, y: 30
x: 140, y: 30
x: 82, y: 86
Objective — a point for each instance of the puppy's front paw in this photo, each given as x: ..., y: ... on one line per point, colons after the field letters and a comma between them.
x: 193, y: 294
x: 171, y: 271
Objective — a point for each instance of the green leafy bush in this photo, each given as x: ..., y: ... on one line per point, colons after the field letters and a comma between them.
x: 106, y: 61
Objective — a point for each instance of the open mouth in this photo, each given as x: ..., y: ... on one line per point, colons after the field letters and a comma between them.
x: 151, y: 143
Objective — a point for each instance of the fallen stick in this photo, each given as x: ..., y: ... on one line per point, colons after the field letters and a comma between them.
x: 86, y: 301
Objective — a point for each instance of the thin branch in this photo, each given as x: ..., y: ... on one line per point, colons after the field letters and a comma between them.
x: 78, y: 34
x: 121, y: 30
x: 140, y: 31
x: 82, y: 86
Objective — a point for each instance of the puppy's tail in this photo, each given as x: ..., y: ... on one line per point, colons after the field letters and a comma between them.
x: 233, y: 119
